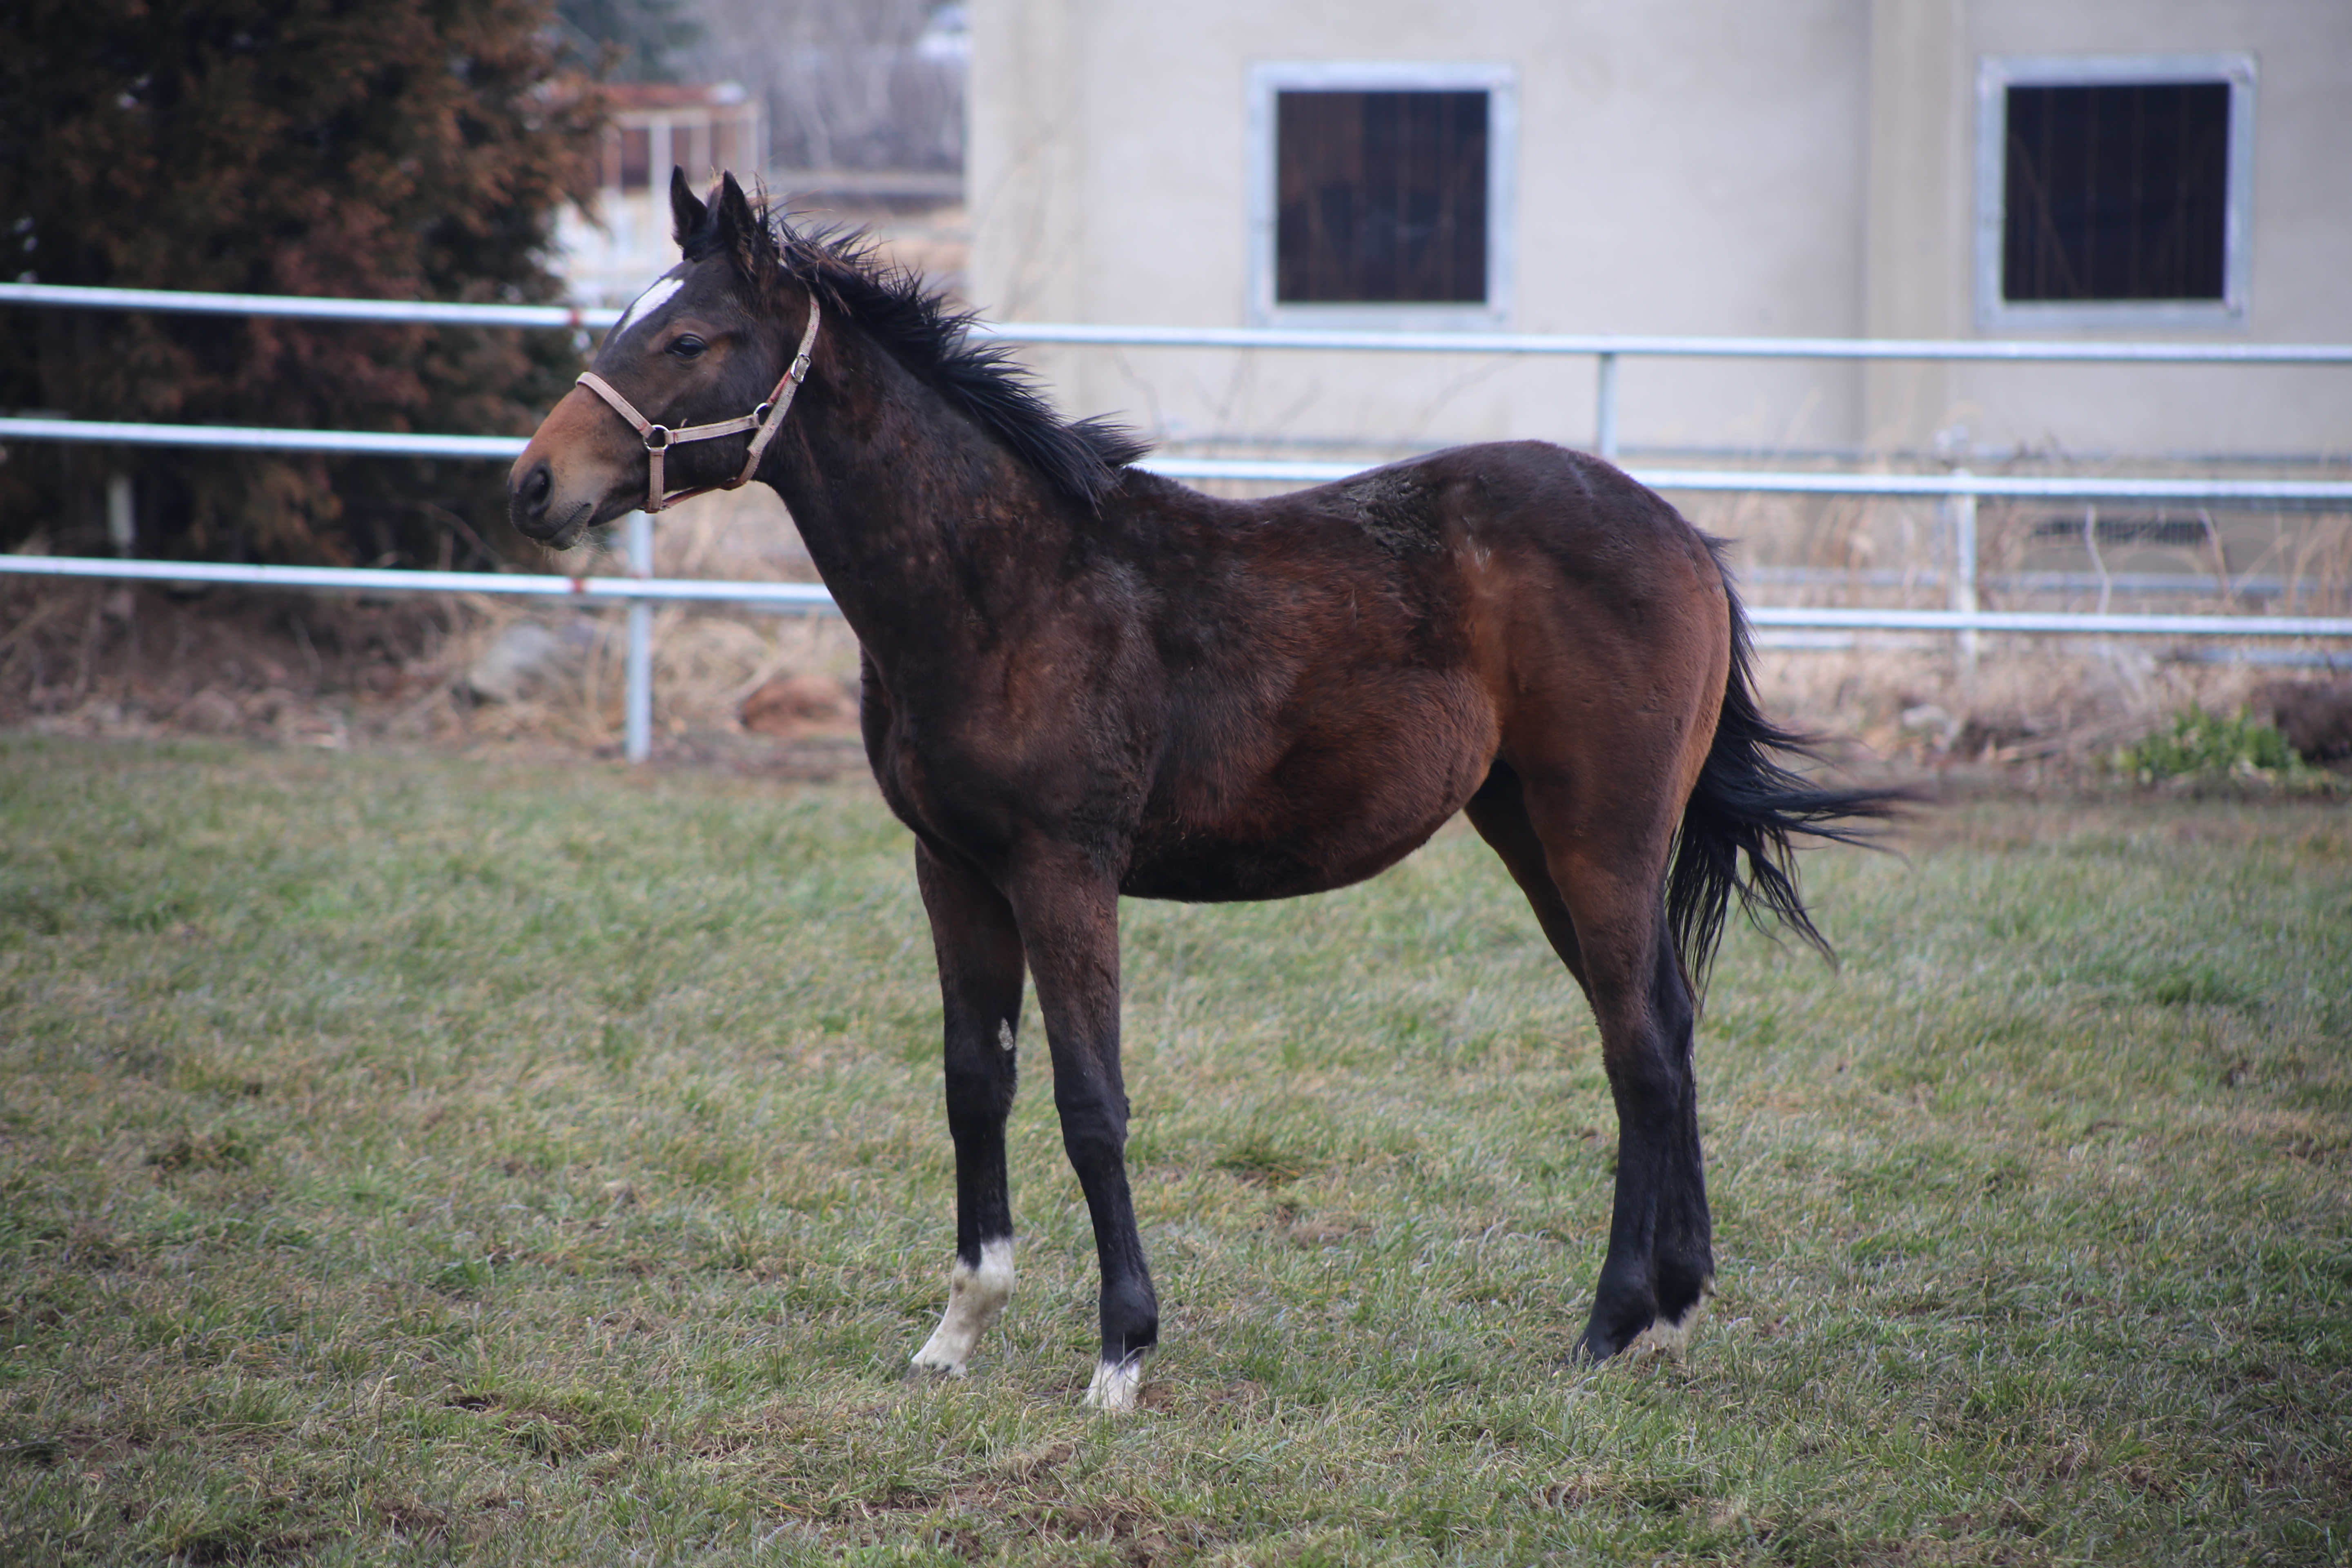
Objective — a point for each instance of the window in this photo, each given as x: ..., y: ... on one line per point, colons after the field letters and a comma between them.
x: 636, y: 161
x: 1380, y: 198
x: 1380, y: 195
x: 2113, y: 190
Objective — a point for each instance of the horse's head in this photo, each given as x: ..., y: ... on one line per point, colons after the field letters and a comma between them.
x: 705, y: 344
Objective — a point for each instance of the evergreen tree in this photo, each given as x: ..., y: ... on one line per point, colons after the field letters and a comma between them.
x: 388, y: 149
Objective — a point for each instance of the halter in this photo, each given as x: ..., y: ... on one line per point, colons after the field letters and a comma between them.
x: 766, y: 420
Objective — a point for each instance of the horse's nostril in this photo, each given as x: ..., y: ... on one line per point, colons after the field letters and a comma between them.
x: 536, y: 485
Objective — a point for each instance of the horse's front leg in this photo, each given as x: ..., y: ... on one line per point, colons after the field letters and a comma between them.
x: 1069, y: 924
x: 980, y: 985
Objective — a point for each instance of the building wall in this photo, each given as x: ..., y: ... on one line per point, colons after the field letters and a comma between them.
x: 1685, y: 167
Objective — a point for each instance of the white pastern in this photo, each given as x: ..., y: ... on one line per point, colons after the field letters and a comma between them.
x: 646, y: 303
x: 976, y: 1298
x: 1670, y: 1336
x: 1116, y: 1383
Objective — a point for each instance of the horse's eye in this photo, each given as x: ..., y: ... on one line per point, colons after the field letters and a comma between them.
x: 688, y: 347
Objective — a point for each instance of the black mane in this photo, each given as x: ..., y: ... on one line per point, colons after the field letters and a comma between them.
x: 895, y: 308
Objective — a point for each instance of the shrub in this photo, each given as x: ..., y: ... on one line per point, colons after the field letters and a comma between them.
x: 387, y: 149
x: 2204, y: 749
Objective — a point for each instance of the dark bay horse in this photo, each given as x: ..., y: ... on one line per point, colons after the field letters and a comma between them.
x: 1083, y: 680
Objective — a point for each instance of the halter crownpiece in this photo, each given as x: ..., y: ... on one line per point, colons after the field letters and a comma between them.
x: 764, y: 420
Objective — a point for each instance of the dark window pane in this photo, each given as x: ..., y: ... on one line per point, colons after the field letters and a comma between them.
x: 636, y: 158
x: 2116, y: 192
x: 1380, y: 198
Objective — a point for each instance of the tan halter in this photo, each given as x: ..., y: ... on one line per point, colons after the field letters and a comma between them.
x: 764, y: 420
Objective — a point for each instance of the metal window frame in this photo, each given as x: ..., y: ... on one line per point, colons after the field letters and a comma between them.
x: 1996, y: 74
x: 1499, y: 81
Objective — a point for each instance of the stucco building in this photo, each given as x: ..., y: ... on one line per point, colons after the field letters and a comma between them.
x: 2095, y: 169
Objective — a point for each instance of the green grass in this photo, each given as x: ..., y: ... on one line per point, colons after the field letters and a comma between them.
x: 406, y: 1159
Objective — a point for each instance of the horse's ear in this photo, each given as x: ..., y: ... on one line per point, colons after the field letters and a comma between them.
x: 744, y: 232
x: 686, y: 208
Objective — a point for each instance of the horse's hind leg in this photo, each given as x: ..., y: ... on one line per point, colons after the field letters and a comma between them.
x: 1593, y: 870
x: 1661, y: 1257
x: 1499, y: 812
x: 980, y: 985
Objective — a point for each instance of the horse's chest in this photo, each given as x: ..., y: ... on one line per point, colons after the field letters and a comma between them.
x: 982, y: 796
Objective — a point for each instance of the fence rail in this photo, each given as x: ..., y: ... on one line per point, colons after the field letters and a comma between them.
x: 1959, y: 491
x: 1573, y: 345
x: 810, y: 596
x: 814, y: 597
x: 305, y: 307
x: 399, y: 444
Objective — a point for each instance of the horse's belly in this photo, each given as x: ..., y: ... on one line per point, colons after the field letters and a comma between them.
x: 1220, y: 866
x: 1334, y: 806
x: 1194, y: 871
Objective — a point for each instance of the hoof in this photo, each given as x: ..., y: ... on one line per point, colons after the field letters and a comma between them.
x: 976, y: 1298
x: 942, y: 1359
x: 1116, y: 1383
x: 1658, y: 1334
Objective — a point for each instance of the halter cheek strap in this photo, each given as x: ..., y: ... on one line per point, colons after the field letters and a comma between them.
x: 763, y: 422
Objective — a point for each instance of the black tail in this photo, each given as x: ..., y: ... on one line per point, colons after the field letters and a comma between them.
x: 1747, y: 803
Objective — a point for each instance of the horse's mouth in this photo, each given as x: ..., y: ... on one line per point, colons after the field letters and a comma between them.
x: 566, y: 534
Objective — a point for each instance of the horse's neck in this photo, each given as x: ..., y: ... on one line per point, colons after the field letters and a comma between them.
x: 919, y: 523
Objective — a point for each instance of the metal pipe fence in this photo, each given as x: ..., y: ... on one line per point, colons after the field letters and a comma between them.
x: 1604, y: 349
x: 1280, y: 470
x: 1646, y: 345
x: 1959, y: 491
x: 812, y: 597
x: 632, y: 589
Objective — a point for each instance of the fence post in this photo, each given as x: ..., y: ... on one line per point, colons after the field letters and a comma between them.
x: 1961, y: 517
x: 121, y: 520
x: 1604, y: 417
x: 639, y: 702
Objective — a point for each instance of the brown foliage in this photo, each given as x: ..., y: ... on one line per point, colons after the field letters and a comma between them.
x: 389, y: 149
x: 2315, y: 717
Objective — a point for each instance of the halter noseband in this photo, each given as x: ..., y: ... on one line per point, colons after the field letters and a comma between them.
x: 764, y: 420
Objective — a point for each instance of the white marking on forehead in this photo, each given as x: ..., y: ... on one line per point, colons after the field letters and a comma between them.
x: 651, y: 299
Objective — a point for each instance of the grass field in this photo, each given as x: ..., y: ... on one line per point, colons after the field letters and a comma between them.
x: 406, y: 1159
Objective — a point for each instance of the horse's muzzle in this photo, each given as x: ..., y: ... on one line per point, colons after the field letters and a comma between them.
x: 533, y: 507
x: 576, y: 472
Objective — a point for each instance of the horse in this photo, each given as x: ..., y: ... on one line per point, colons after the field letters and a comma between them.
x: 1081, y: 680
